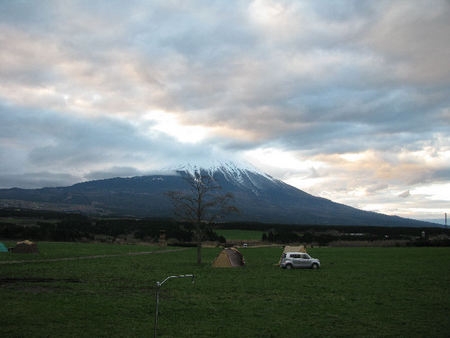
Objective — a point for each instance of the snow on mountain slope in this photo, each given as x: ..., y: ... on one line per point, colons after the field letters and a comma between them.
x: 242, y: 174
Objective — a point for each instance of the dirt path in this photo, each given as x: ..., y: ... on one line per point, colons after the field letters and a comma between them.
x: 91, y: 257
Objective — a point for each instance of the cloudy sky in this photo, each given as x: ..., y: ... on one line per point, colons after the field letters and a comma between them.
x: 348, y: 100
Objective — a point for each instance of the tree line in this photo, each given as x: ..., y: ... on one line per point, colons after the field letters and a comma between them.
x: 85, y: 228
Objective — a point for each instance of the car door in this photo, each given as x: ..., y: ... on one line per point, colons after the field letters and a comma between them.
x: 304, y: 261
x: 296, y: 260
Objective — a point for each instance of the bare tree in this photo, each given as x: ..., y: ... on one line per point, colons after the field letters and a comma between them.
x: 201, y: 205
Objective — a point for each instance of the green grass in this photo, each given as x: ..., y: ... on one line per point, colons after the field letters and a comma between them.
x: 358, y: 292
x: 243, y: 235
x: 51, y: 250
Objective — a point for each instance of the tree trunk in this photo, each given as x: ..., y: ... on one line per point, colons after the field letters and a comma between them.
x: 199, y: 253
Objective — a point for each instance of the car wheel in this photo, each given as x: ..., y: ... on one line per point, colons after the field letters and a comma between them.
x: 314, y: 266
x: 289, y: 266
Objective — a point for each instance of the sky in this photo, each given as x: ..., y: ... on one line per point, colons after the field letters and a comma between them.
x: 347, y: 100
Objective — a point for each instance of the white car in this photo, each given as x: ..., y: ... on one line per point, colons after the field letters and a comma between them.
x: 291, y: 260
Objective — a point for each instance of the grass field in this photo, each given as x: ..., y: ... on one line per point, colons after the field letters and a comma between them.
x: 357, y: 292
x: 243, y: 235
x: 52, y: 250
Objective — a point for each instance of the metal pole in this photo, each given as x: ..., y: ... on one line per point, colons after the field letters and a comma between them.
x: 158, y: 287
x: 157, y: 307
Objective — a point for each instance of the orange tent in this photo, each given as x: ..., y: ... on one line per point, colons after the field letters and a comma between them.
x: 229, y: 257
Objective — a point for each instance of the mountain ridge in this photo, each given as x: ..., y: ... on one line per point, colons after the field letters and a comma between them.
x: 258, y: 196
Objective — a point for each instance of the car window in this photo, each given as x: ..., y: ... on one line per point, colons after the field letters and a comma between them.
x: 295, y: 255
x: 304, y: 256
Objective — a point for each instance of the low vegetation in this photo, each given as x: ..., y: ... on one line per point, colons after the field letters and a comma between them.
x: 53, y: 226
x: 358, y: 292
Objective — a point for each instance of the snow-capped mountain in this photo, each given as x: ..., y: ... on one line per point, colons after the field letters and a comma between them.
x: 243, y: 175
x: 258, y: 196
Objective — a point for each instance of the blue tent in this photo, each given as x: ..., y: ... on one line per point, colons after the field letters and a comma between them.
x: 3, y: 248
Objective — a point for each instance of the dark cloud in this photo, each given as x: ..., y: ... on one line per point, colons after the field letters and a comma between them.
x: 442, y: 174
x: 37, y: 180
x: 53, y: 138
x: 376, y: 188
x: 113, y: 172
x: 404, y: 194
